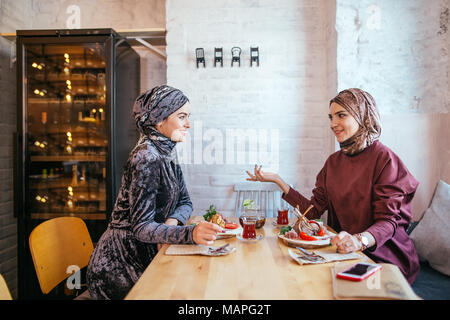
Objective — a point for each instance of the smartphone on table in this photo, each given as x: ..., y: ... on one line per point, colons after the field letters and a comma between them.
x: 359, y: 271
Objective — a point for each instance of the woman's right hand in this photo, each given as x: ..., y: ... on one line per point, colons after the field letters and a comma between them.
x: 262, y: 176
x: 205, y: 232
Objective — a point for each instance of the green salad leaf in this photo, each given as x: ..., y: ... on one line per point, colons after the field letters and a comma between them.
x: 210, y: 212
x: 285, y: 229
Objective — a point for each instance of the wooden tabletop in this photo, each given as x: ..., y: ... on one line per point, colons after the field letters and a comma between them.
x: 260, y: 270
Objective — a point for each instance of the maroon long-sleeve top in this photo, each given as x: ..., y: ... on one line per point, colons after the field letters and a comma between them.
x: 370, y: 191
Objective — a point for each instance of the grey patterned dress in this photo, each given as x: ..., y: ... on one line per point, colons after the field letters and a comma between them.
x: 152, y: 190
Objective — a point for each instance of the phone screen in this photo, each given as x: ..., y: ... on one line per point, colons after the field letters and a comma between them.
x: 359, y: 269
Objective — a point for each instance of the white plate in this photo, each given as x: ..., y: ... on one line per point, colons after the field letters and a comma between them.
x: 258, y: 237
x: 319, y: 243
x: 229, y: 233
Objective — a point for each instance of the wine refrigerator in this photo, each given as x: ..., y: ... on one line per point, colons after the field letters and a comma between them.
x: 75, y: 129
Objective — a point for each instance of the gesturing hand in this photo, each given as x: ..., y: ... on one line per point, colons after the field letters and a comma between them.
x: 205, y: 232
x: 262, y: 176
x: 346, y: 243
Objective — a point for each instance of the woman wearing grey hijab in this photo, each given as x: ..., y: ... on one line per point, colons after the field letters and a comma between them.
x: 153, y: 204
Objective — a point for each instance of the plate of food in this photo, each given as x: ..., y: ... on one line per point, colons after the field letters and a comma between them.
x: 306, y: 237
x: 230, y: 229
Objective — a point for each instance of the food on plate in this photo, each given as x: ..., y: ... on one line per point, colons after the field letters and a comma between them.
x: 217, y: 219
x: 306, y: 237
x: 305, y: 233
x: 292, y: 234
x: 310, y: 228
x: 214, y: 217
x: 284, y: 230
x: 231, y: 225
x: 321, y: 232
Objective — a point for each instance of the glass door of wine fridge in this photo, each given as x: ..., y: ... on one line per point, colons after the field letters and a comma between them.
x: 67, y: 159
x: 67, y: 138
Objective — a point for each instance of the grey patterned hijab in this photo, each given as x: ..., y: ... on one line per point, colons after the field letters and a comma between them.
x: 155, y: 105
x: 152, y: 107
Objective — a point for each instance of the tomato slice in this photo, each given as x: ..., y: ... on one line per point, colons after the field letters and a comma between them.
x: 231, y: 226
x: 306, y: 237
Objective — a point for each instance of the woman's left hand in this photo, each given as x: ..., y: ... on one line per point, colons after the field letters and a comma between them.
x: 345, y: 242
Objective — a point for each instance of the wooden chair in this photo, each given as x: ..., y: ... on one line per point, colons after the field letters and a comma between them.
x: 57, y: 244
x: 266, y: 195
x: 4, y: 291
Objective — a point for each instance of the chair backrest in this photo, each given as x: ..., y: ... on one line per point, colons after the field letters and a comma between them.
x: 236, y: 51
x: 4, y: 291
x: 57, y: 244
x: 266, y: 195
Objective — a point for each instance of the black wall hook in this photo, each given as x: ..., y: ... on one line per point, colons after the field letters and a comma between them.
x: 236, y: 55
x: 218, y: 56
x: 254, y: 56
x: 200, y: 55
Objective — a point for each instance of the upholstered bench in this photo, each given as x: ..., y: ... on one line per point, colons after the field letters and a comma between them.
x: 430, y: 284
x: 431, y: 237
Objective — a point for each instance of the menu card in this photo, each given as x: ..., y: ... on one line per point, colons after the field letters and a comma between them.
x: 388, y: 283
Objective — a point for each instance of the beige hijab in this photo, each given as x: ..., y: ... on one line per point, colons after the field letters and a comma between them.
x: 362, y: 107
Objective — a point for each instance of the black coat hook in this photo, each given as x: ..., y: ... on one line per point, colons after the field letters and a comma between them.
x: 200, y: 55
x: 236, y: 55
x: 218, y: 56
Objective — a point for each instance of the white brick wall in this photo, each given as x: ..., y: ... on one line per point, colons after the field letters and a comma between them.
x: 118, y: 14
x: 288, y: 92
x: 153, y: 68
x: 395, y: 51
x: 398, y: 51
x: 13, y: 15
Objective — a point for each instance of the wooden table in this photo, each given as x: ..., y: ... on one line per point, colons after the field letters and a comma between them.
x: 261, y: 270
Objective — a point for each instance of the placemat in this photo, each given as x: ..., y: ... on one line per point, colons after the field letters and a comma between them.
x: 327, y: 256
x: 192, y: 249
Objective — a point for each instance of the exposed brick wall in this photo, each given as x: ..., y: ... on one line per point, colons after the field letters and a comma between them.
x: 118, y: 14
x: 13, y: 15
x: 398, y: 51
x: 288, y: 92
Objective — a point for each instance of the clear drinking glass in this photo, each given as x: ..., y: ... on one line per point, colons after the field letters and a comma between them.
x: 254, y: 211
x: 283, y: 213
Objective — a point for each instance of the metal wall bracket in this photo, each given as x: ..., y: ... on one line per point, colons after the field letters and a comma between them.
x: 160, y: 53
x: 150, y: 38
x: 12, y: 55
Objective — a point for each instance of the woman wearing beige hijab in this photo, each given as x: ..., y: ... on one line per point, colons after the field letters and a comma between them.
x: 365, y: 187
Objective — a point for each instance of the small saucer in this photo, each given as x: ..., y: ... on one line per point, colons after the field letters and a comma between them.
x: 258, y: 237
x: 275, y: 224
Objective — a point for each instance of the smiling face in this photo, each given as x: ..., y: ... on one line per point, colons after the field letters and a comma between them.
x: 176, y: 125
x: 342, y: 122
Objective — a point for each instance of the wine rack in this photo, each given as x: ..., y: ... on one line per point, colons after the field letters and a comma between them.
x: 76, y: 90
